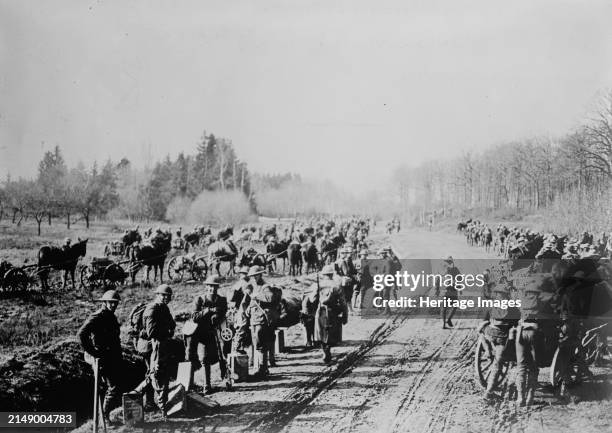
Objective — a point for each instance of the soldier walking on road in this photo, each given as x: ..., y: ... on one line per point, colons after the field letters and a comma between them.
x: 159, y: 327
x: 449, y: 292
x: 100, y: 338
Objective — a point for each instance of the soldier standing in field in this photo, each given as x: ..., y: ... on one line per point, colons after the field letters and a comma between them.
x: 331, y: 313
x: 263, y: 313
x: 209, y: 311
x: 99, y: 337
x: 159, y: 328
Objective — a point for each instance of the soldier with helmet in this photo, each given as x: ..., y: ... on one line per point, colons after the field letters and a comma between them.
x: 331, y: 313
x: 263, y: 313
x: 209, y: 312
x: 365, y: 279
x: 100, y: 338
x: 538, y: 323
x: 239, y: 301
x: 449, y: 292
x: 345, y: 268
x: 497, y: 330
x: 159, y: 327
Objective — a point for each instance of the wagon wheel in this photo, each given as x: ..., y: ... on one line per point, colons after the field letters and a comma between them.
x: 483, y: 360
x: 176, y: 270
x: 112, y: 275
x: 227, y: 334
x: 16, y: 280
x: 56, y: 279
x: 87, y: 280
x: 199, y: 269
x: 592, y: 350
x: 565, y: 365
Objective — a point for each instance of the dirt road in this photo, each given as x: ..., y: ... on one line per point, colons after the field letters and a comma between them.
x: 397, y: 374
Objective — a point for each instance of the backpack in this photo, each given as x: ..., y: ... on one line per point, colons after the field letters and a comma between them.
x: 136, y: 322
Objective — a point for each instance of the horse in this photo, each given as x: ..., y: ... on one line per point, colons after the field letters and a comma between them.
x: 129, y: 238
x: 223, y: 251
x: 192, y: 239
x: 294, y: 255
x: 277, y: 250
x: 310, y: 256
x: 329, y: 249
x: 62, y: 259
x: 151, y: 256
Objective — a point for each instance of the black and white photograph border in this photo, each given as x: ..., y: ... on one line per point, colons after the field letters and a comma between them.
x: 273, y: 216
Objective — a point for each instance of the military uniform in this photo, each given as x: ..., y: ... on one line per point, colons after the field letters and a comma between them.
x: 497, y: 335
x: 537, y: 325
x: 208, y: 312
x: 264, y: 313
x: 346, y: 270
x: 241, y: 298
x: 159, y: 327
x: 99, y: 337
x: 331, y: 314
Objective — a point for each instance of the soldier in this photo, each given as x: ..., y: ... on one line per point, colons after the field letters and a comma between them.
x: 345, y: 268
x: 365, y: 278
x: 239, y: 301
x: 99, y: 337
x: 159, y: 328
x: 538, y: 322
x: 498, y: 333
x: 208, y: 312
x: 388, y: 267
x: 263, y: 313
x: 66, y: 245
x: 331, y: 314
x: 449, y: 293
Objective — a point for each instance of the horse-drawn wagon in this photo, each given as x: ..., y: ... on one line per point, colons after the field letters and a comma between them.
x: 567, y: 362
x: 14, y: 278
x: 102, y: 272
x: 195, y: 266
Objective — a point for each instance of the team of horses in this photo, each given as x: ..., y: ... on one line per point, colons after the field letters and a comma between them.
x: 305, y: 246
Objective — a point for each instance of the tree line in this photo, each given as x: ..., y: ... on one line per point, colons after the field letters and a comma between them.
x: 120, y: 190
x: 526, y: 176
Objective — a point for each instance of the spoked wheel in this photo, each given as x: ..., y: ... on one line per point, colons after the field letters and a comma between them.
x: 226, y: 334
x: 483, y: 361
x: 593, y: 349
x: 176, y: 269
x: 16, y: 280
x: 87, y: 281
x: 199, y: 269
x: 565, y: 367
x: 112, y: 275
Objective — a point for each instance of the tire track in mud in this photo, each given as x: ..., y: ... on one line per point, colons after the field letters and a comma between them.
x: 299, y: 399
x: 412, y: 378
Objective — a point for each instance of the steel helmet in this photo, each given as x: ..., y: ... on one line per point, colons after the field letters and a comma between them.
x: 255, y: 270
x: 328, y: 270
x: 110, y: 296
x: 212, y: 281
x: 164, y: 289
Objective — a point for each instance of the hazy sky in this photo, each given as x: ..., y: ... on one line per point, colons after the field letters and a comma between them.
x: 341, y: 90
